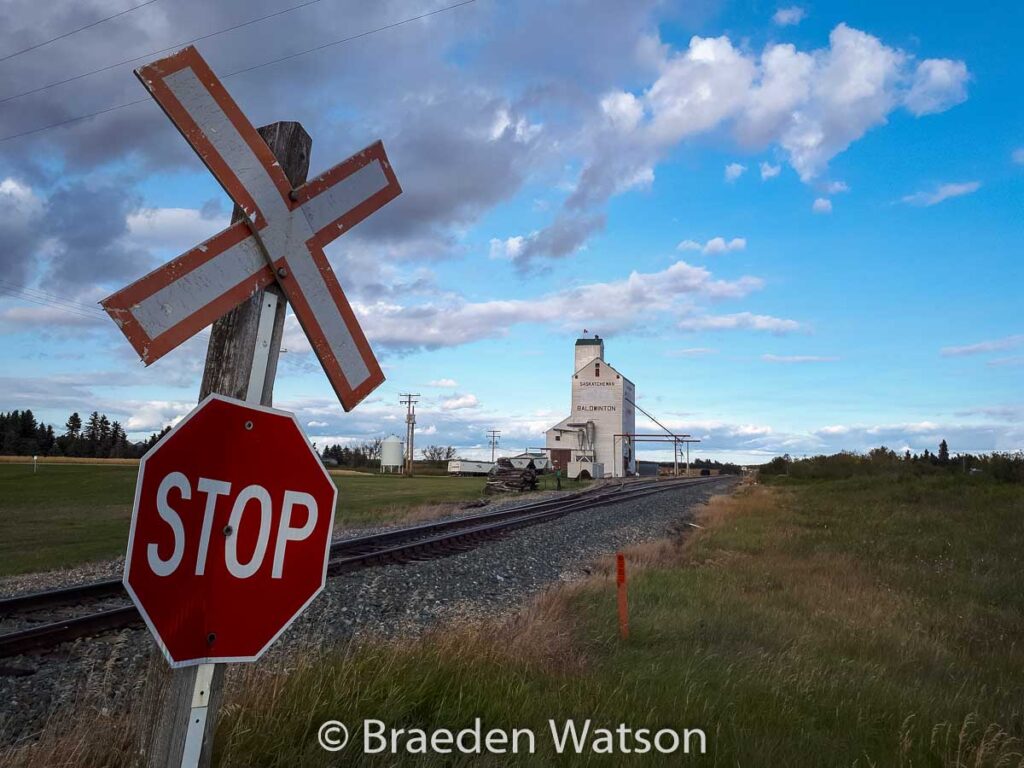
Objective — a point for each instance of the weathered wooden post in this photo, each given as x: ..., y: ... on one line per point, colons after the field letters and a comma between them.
x: 239, y: 280
x: 241, y: 362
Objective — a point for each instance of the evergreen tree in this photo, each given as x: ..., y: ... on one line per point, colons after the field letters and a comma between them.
x: 73, y: 426
x: 92, y: 434
x: 943, y: 453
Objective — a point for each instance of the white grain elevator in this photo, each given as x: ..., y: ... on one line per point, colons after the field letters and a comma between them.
x: 593, y: 439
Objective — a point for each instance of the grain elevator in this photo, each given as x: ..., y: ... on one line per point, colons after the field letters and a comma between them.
x: 593, y: 440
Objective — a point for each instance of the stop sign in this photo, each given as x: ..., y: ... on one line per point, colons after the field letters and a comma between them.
x: 230, y: 532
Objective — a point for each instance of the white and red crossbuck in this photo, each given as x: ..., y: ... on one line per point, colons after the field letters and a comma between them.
x: 280, y: 239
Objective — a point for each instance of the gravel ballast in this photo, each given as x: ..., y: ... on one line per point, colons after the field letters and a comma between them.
x: 493, y: 579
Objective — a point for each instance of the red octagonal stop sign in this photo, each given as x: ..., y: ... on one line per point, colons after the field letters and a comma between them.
x: 230, y: 532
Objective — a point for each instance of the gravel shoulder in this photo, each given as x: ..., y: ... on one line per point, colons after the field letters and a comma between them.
x: 493, y: 579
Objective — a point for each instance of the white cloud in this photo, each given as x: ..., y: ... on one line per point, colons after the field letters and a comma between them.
x: 799, y: 359
x: 22, y: 230
x: 154, y: 415
x: 822, y: 205
x: 518, y: 128
x: 769, y: 171
x: 317, y: 424
x: 835, y: 187
x: 738, y: 321
x: 733, y: 171
x: 623, y: 110
x: 1018, y: 156
x: 719, y: 245
x: 714, y: 245
x: 20, y: 199
x: 698, y: 88
x: 506, y: 249
x: 938, y: 85
x: 942, y: 192
x: 460, y: 402
x: 837, y: 429
x: 787, y: 17
x: 993, y: 345
x: 623, y: 305
x: 810, y: 104
x: 172, y: 229
x: 443, y: 383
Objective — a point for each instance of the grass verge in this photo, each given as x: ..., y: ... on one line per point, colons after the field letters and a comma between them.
x: 838, y: 623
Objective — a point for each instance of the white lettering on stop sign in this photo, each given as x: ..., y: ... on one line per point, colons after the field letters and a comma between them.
x: 252, y: 506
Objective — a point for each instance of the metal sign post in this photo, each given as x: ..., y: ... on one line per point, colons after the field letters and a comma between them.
x: 241, y: 280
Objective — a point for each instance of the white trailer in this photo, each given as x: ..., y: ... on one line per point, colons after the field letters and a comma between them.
x: 462, y: 467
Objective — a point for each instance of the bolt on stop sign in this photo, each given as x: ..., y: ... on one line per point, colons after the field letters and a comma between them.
x: 230, y: 532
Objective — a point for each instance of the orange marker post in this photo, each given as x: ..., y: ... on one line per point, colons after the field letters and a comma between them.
x: 620, y: 578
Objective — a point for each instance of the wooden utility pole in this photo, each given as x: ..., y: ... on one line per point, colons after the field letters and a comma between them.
x: 494, y: 435
x: 409, y: 400
x: 241, y: 362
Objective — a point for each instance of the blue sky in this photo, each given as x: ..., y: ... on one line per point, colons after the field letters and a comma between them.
x: 798, y: 226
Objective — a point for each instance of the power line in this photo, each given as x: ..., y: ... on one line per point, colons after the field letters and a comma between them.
x: 37, y: 293
x: 53, y: 301
x: 76, y: 31
x: 70, y: 120
x: 23, y: 295
x: 183, y: 43
x: 322, y: 46
x: 278, y: 60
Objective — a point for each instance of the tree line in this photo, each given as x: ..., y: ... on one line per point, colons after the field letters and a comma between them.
x: 362, y: 456
x: 21, y: 434
x: 723, y: 467
x: 1007, y: 467
x: 366, y: 455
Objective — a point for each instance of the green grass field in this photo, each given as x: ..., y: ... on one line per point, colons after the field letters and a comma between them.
x: 856, y: 622
x: 842, y: 623
x: 64, y: 515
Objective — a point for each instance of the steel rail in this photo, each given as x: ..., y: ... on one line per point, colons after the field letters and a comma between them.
x: 426, y: 541
x: 72, y: 595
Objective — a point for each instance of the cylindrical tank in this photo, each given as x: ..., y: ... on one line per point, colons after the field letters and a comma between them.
x: 391, y: 454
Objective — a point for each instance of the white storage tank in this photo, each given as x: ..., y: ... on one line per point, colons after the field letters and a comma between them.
x: 392, y: 454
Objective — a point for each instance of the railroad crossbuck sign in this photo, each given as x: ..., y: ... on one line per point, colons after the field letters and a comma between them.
x: 230, y: 532
x: 281, y: 236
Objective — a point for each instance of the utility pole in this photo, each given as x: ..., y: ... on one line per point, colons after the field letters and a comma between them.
x: 494, y: 436
x: 409, y: 400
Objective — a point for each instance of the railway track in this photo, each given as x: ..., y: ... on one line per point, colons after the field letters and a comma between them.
x: 112, y: 610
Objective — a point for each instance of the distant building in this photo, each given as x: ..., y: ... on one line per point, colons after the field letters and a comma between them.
x: 592, y: 438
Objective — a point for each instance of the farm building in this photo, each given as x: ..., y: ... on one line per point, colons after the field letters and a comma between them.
x: 590, y: 440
